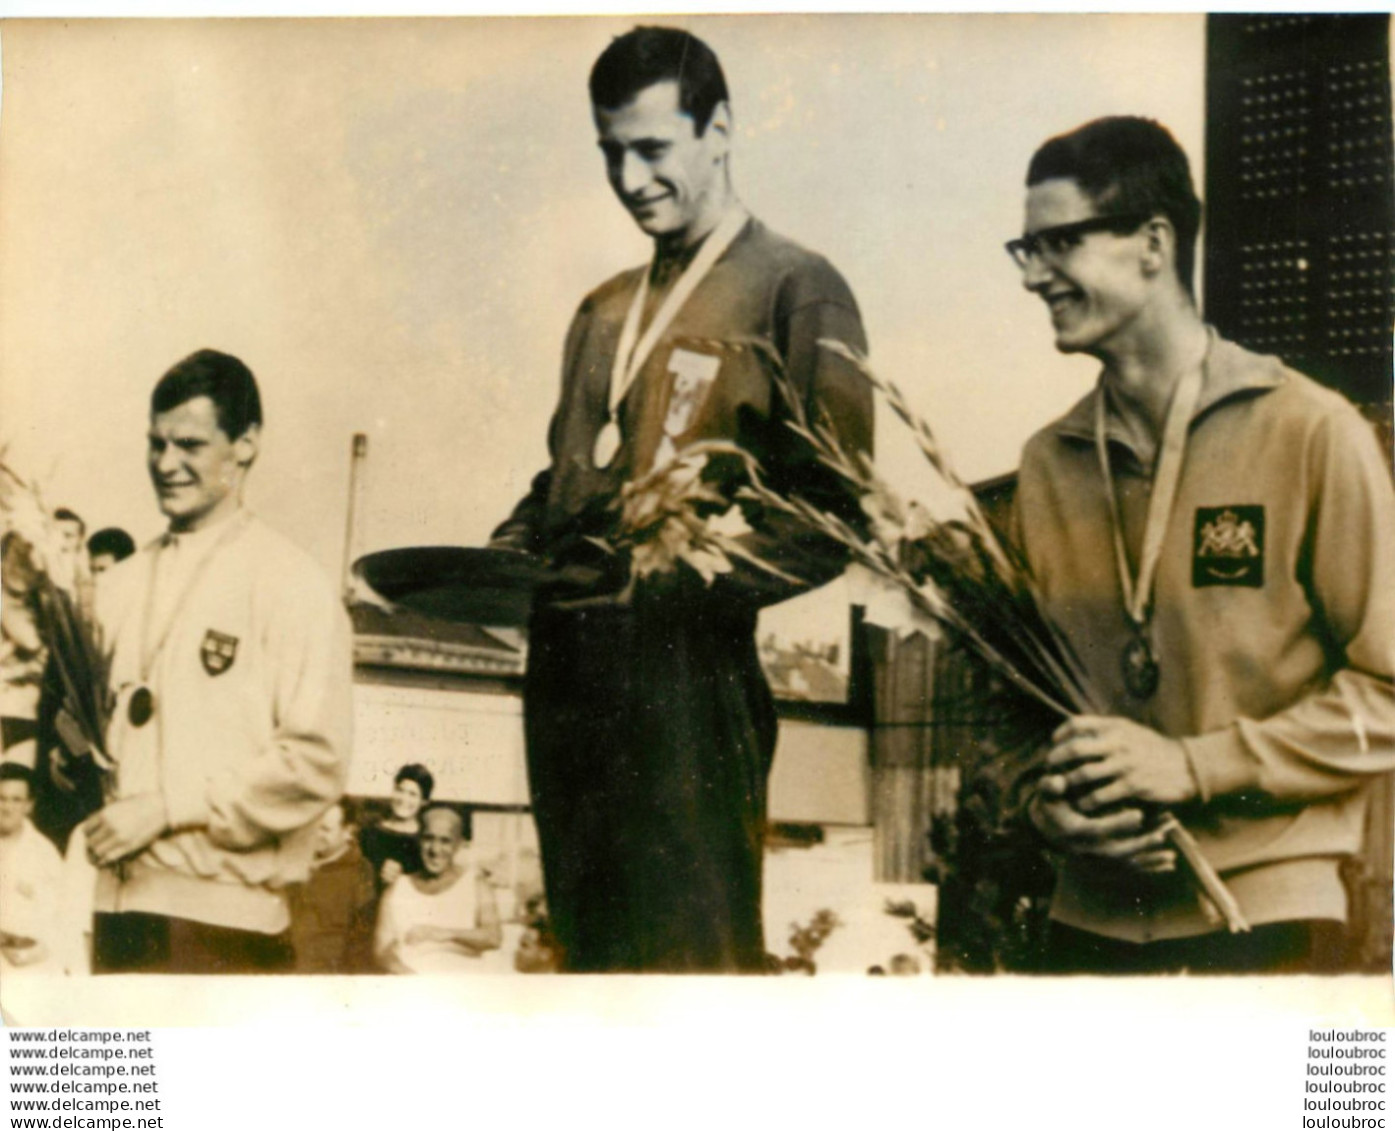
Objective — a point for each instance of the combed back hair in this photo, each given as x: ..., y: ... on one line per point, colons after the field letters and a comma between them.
x: 18, y: 771
x: 225, y: 380
x: 111, y: 540
x: 648, y: 55
x: 1128, y: 165
x: 416, y: 772
x: 63, y: 514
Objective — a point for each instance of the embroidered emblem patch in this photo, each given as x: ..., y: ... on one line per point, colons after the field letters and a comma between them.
x: 693, y: 373
x: 1228, y: 547
x: 218, y: 652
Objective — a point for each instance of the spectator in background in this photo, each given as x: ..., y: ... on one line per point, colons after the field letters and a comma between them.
x: 332, y: 912
x: 443, y: 918
x: 71, y: 530
x: 107, y: 547
x: 31, y: 881
x: 392, y: 845
x: 69, y: 571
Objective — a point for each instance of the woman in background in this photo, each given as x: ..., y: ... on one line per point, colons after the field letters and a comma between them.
x: 392, y: 845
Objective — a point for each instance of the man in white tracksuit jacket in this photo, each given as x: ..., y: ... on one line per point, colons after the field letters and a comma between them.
x: 232, y: 666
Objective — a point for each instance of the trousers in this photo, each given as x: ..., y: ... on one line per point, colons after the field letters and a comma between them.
x: 650, y: 733
x: 135, y: 942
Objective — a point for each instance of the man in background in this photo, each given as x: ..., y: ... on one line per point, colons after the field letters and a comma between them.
x: 1215, y: 534
x: 650, y: 726
x: 332, y: 913
x: 107, y: 547
x: 31, y: 882
x: 231, y: 661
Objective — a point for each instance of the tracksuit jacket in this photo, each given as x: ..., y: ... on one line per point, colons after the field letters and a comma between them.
x: 1274, y: 628
x: 249, y: 741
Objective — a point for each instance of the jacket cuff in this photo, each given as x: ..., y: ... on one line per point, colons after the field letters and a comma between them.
x: 185, y: 808
x: 1221, y: 763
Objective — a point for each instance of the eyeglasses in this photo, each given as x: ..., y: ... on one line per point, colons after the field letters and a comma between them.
x: 1053, y: 243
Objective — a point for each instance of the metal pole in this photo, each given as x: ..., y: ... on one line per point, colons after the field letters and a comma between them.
x: 357, y: 457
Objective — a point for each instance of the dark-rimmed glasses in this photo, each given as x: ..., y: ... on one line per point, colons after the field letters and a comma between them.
x: 1056, y: 241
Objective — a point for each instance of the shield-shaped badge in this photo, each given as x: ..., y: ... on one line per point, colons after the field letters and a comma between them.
x: 218, y: 652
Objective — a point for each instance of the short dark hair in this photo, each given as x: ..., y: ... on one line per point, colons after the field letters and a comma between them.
x: 1128, y: 165
x: 63, y: 514
x: 225, y: 380
x: 17, y: 771
x: 648, y: 55
x: 416, y: 772
x: 111, y: 540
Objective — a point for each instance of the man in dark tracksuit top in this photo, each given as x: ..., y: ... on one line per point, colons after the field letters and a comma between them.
x: 650, y: 726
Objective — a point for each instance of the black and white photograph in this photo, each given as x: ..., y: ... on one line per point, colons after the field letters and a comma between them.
x: 799, y: 498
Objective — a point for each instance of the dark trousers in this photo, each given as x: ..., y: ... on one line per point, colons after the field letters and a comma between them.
x: 134, y: 942
x: 650, y: 736
x: 1300, y: 947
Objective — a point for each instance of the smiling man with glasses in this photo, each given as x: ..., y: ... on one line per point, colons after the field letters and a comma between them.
x: 1215, y: 534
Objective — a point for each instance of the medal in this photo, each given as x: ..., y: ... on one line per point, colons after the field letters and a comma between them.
x: 1137, y: 664
x: 634, y: 349
x: 606, y: 446
x: 1140, y: 668
x: 141, y: 706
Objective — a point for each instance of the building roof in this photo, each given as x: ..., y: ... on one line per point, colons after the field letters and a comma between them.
x: 401, y: 638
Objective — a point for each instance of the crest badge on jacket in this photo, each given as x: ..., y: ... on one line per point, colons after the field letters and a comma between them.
x: 1229, y: 546
x: 218, y: 651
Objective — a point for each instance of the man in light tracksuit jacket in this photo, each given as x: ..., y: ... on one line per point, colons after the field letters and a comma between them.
x: 1215, y: 535
x: 232, y: 666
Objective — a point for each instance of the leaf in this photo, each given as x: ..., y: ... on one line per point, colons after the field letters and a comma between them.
x: 708, y: 563
x: 729, y: 524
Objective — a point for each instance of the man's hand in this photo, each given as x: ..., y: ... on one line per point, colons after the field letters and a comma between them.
x: 1120, y: 837
x: 1105, y: 761
x: 125, y: 827
x: 389, y: 872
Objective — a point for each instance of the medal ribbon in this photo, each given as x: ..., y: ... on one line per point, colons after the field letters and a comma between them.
x: 1167, y: 474
x: 630, y: 357
x: 149, y: 654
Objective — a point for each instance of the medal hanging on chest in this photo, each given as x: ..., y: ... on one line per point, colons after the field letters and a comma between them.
x: 633, y: 350
x: 1140, y: 668
x: 1138, y: 664
x: 140, y: 708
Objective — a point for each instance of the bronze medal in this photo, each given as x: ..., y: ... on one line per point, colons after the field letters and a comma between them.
x: 1140, y: 668
x: 140, y: 708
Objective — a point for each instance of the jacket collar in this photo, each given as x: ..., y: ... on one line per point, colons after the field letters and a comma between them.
x: 1228, y: 371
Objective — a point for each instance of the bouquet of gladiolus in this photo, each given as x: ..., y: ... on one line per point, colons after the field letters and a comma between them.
x: 674, y: 515
x: 61, y: 606
x: 935, y: 561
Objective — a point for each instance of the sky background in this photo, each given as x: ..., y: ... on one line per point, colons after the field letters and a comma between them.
x: 392, y: 222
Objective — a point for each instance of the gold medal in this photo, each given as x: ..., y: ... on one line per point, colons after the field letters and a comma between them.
x: 607, y: 445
